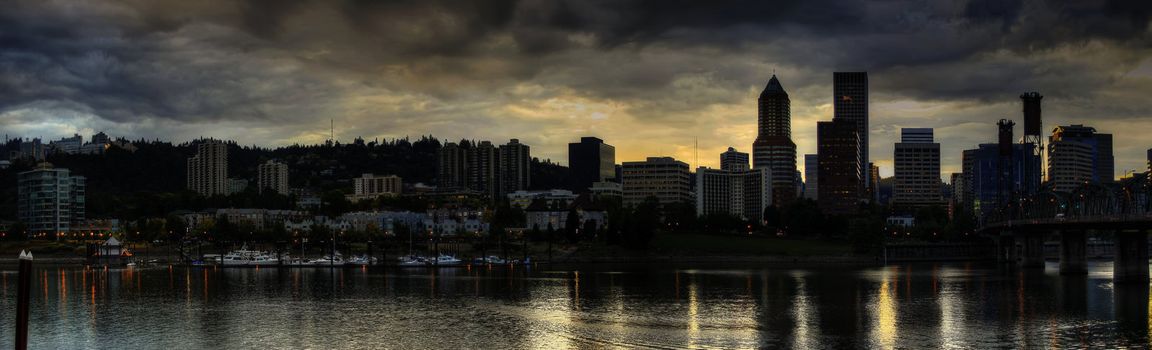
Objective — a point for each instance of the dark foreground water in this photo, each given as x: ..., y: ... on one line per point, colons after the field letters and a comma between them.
x: 598, y: 306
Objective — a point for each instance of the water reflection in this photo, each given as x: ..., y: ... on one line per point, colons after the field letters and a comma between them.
x: 908, y: 306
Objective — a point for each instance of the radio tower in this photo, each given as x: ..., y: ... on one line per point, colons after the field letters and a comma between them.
x: 1033, y: 134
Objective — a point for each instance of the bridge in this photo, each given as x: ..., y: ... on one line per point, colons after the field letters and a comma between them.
x: 1121, y: 210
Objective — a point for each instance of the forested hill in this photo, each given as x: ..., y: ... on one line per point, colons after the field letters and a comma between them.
x: 159, y: 167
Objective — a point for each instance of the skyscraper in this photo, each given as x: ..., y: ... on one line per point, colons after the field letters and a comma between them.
x: 733, y: 160
x: 773, y: 148
x: 272, y: 175
x: 917, y: 168
x: 840, y: 169
x: 483, y: 165
x: 208, y: 169
x: 811, y: 180
x: 49, y: 200
x: 665, y: 178
x: 983, y: 175
x: 452, y: 166
x: 515, y: 167
x: 1078, y: 154
x: 590, y: 160
x: 850, y: 102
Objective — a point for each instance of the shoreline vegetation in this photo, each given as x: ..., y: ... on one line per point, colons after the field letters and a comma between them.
x: 664, y: 248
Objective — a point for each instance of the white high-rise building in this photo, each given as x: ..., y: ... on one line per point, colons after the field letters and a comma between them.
x: 208, y: 169
x: 370, y: 186
x: 739, y: 193
x: 272, y: 175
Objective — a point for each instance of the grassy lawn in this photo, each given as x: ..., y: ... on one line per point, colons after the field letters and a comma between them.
x: 700, y: 244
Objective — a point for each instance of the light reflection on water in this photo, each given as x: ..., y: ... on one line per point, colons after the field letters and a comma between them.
x: 733, y: 306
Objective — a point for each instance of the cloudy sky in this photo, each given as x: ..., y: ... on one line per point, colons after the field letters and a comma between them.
x: 646, y: 76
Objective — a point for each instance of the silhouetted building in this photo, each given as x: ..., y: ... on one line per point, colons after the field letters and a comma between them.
x: 515, y: 167
x: 665, y: 178
x: 982, y: 173
x: 590, y: 161
x: 272, y: 175
x: 452, y: 167
x: 733, y: 160
x: 483, y: 165
x: 917, y: 169
x: 49, y: 200
x: 811, y: 180
x: 773, y: 148
x: 840, y: 169
x: 850, y: 102
x: 1034, y: 130
x: 872, y: 192
x: 208, y: 169
x: 1078, y: 154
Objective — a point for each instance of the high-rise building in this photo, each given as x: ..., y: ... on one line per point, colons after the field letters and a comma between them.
x: 515, y: 162
x: 370, y: 186
x: 452, y: 167
x: 665, y: 178
x: 917, y: 169
x: 272, y: 175
x: 68, y: 145
x: 208, y: 169
x: 839, y: 167
x: 1150, y: 160
x: 955, y: 204
x: 49, y: 200
x: 773, y: 148
x: 733, y: 160
x: 1078, y: 154
x: 483, y: 165
x: 873, y: 191
x: 590, y: 161
x: 740, y: 193
x: 983, y: 175
x: 811, y: 180
x: 33, y: 149
x: 850, y: 102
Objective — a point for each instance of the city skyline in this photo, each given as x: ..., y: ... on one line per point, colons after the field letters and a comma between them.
x: 272, y: 75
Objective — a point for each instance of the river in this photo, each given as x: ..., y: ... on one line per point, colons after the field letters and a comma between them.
x: 952, y: 305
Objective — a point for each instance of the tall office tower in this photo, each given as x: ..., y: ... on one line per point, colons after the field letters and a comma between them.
x: 955, y: 205
x: 1150, y: 161
x: 733, y: 160
x: 742, y: 193
x: 840, y: 169
x: 773, y: 148
x: 665, y: 178
x: 850, y: 102
x: 452, y: 168
x: 515, y: 167
x: 811, y: 180
x: 917, y: 168
x: 590, y: 161
x: 1078, y: 154
x: 272, y: 175
x: 49, y: 200
x: 483, y: 162
x: 1034, y: 131
x: 873, y: 190
x: 967, y: 169
x: 983, y: 175
x: 208, y: 169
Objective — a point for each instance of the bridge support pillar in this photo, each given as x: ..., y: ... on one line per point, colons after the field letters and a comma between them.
x: 1033, y: 244
x: 1130, y: 264
x: 1073, y: 252
x: 1006, y: 249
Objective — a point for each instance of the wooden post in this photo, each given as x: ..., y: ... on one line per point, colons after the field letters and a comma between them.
x: 23, y: 291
